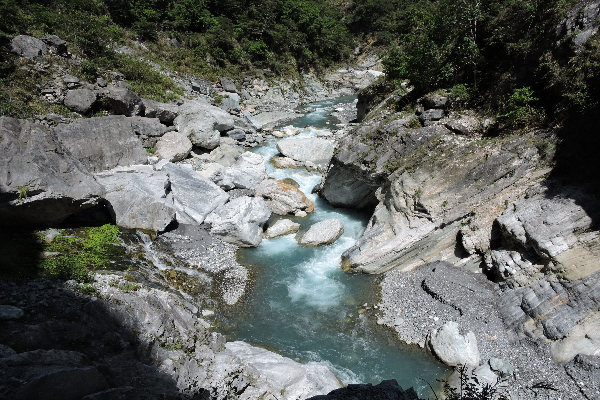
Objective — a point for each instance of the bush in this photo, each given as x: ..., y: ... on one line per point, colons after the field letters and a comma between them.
x: 518, y: 111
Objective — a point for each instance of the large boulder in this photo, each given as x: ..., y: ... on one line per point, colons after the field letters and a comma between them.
x: 240, y: 221
x: 323, y: 233
x: 28, y: 46
x: 282, y: 227
x: 80, y: 100
x: 282, y: 198
x: 289, y: 378
x: 173, y: 146
x: 123, y: 101
x: 40, y: 180
x: 103, y: 143
x: 225, y: 154
x: 246, y: 173
x: 148, y: 130
x: 315, y: 150
x: 194, y: 196
x: 454, y: 349
x: 165, y: 112
x: 56, y: 44
x: 138, y: 197
x: 203, y: 123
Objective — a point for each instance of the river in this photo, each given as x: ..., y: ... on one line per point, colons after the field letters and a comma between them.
x: 303, y: 306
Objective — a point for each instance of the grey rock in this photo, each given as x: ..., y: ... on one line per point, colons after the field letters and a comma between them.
x: 80, y: 100
x: 435, y: 101
x: 502, y: 367
x: 148, y: 130
x: 194, y: 196
x: 252, y: 121
x: 240, y: 221
x: 71, y: 81
x: 103, y: 143
x: 513, y: 266
x: 452, y: 348
x: 294, y: 380
x: 202, y: 87
x: 225, y: 154
x: 68, y: 384
x: 173, y: 146
x: 28, y: 47
x: 40, y: 180
x: 282, y: 162
x: 165, y: 112
x: 245, y: 94
x: 236, y: 134
x: 101, y: 82
x: 228, y: 85
x: 246, y: 173
x: 431, y: 115
x: 6, y: 351
x: 283, y: 199
x: 203, y: 123
x: 59, y: 46
x: 121, y: 393
x: 458, y: 128
x: 386, y: 390
x: 282, y: 227
x: 123, y: 101
x: 322, y: 233
x: 138, y: 197
x: 585, y: 371
x: 579, y: 25
x: 271, y: 119
x: 10, y: 312
x: 231, y: 102
x: 318, y: 151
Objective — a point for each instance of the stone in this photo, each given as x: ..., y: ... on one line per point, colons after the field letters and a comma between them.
x: 458, y: 128
x: 231, y: 102
x: 435, y: 101
x: 246, y: 173
x: 452, y: 348
x: 283, y: 199
x: 123, y: 101
x: 290, y: 130
x: 80, y: 100
x: 68, y: 384
x: 173, y: 146
x: 283, y: 162
x: 236, y: 134
x: 194, y: 197
x: 28, y: 47
x: 40, y: 180
x: 58, y: 45
x: 322, y: 233
x: 271, y: 119
x: 583, y: 339
x: 431, y: 115
x: 282, y: 227
x: 203, y: 123
x: 240, y: 221
x: 102, y: 143
x: 295, y: 380
x: 10, y: 312
x: 228, y: 85
x: 502, y: 367
x: 148, y: 130
x: 513, y: 266
x: 6, y: 351
x: 252, y: 121
x: 165, y: 112
x: 386, y: 390
x: 71, y: 81
x: 225, y: 154
x: 138, y: 197
x: 316, y: 150
x: 208, y: 170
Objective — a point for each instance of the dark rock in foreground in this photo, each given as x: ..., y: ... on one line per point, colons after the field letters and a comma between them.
x: 386, y: 390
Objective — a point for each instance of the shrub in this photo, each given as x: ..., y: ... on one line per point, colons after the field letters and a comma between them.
x: 518, y: 111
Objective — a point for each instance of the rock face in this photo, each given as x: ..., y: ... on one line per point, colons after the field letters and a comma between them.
x: 40, y: 180
x: 240, y: 221
x: 194, y: 196
x: 138, y: 197
x: 173, y: 146
x: 297, y: 381
x: 283, y: 199
x: 452, y: 348
x: 322, y: 233
x: 315, y: 150
x: 165, y: 112
x: 80, y: 100
x: 425, y: 198
x: 103, y: 143
x: 28, y: 46
x: 246, y: 173
x: 282, y: 227
x: 203, y: 123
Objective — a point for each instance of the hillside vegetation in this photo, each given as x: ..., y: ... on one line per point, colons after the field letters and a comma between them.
x: 514, y: 57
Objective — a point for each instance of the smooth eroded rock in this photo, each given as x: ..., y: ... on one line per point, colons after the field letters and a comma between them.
x: 322, y: 233
x: 318, y: 151
x: 246, y: 173
x: 173, y: 146
x: 282, y: 198
x: 282, y: 227
x: 203, y: 123
x: 80, y: 100
x: 454, y: 349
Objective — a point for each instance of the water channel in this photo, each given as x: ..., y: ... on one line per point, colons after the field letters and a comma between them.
x: 305, y: 307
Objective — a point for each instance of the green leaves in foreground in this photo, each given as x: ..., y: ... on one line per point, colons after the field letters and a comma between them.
x: 81, y: 255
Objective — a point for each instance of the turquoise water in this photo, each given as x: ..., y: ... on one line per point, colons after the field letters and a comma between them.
x: 305, y: 307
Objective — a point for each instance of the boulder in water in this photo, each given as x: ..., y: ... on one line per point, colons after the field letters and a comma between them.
x: 318, y: 151
x: 283, y: 199
x: 282, y: 227
x: 322, y: 233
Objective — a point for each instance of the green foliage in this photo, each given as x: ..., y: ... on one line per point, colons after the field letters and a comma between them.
x: 518, y: 111
x: 471, y: 389
x: 80, y: 255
